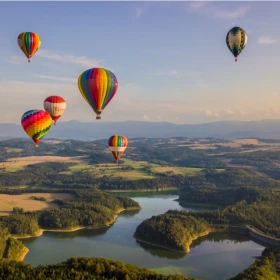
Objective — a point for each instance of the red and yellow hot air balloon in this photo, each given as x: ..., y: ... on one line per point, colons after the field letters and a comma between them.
x: 36, y: 124
x: 55, y: 106
x: 117, y: 145
x: 98, y: 86
x: 29, y: 42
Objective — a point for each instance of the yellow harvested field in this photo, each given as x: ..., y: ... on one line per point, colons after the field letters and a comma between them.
x: 23, y: 161
x: 53, y: 141
x: 177, y: 170
x: 8, y: 202
x: 247, y: 141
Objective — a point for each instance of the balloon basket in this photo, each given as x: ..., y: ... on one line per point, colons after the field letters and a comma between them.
x: 28, y: 60
x: 36, y: 145
x: 54, y: 123
x: 98, y: 118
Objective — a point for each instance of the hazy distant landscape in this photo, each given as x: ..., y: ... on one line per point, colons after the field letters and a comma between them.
x: 95, y: 130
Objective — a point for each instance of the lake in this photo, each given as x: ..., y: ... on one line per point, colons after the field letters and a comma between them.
x: 214, y: 257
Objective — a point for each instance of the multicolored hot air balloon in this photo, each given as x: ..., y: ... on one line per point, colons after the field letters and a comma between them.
x: 29, y: 42
x: 236, y: 41
x: 36, y: 124
x: 55, y: 106
x: 117, y: 145
x: 98, y: 86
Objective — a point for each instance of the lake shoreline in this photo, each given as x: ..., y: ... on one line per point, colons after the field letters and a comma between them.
x: 143, y: 190
x: 41, y: 230
x: 24, y: 253
x: 169, y: 247
x: 198, y: 204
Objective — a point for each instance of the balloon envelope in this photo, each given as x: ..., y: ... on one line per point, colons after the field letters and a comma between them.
x: 36, y: 124
x: 29, y: 42
x: 98, y: 86
x: 236, y: 40
x: 55, y: 106
x: 117, y: 145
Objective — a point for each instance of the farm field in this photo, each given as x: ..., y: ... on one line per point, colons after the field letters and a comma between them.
x: 15, y: 164
x: 8, y: 202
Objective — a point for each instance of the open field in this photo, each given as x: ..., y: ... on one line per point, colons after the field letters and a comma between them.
x: 13, y: 150
x: 15, y: 164
x: 177, y: 170
x: 113, y: 170
x: 8, y: 202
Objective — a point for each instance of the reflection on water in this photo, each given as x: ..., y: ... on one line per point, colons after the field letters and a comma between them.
x: 217, y: 256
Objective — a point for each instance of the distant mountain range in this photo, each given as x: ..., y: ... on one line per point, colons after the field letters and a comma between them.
x: 269, y: 129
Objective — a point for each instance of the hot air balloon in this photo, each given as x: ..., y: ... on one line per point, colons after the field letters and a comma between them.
x: 236, y: 41
x: 29, y: 42
x: 55, y: 106
x: 36, y: 124
x: 98, y: 86
x: 117, y: 145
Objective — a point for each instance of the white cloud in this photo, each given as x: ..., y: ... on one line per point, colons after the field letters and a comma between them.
x: 138, y: 12
x: 145, y: 117
x: 267, y: 40
x: 61, y: 79
x: 194, y: 75
x: 237, y: 13
x: 217, y: 12
x: 197, y: 4
x: 209, y: 113
x: 16, y: 59
x: 175, y: 73
x: 67, y: 58
x: 171, y: 73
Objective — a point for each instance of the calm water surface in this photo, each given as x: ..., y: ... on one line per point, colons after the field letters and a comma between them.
x: 214, y: 257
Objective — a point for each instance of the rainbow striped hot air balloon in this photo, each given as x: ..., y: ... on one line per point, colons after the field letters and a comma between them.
x: 55, y: 106
x: 98, y: 86
x: 117, y: 145
x: 29, y: 42
x: 36, y: 124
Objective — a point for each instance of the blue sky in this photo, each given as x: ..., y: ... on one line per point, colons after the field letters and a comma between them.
x: 170, y: 58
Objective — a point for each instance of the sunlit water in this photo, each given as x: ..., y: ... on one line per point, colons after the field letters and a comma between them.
x: 214, y: 257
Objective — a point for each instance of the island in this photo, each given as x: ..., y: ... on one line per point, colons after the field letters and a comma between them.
x: 174, y: 230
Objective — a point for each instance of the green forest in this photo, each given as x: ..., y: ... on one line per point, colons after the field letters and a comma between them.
x: 265, y: 267
x: 174, y: 229
x: 88, y: 208
x: 81, y: 269
x: 10, y: 248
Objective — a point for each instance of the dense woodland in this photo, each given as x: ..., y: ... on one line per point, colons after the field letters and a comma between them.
x: 265, y: 267
x: 174, y: 229
x: 10, y: 248
x: 88, y: 208
x: 81, y: 269
x: 242, y: 205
